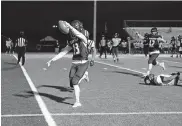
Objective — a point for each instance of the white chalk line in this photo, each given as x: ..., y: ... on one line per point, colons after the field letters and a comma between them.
x: 50, y: 121
x: 124, y: 68
x: 94, y: 114
x: 172, y: 61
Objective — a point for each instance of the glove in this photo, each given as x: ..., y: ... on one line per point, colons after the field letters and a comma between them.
x: 91, y: 62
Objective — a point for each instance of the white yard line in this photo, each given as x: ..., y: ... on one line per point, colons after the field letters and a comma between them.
x: 172, y: 61
x: 124, y: 68
x: 99, y: 114
x: 50, y: 121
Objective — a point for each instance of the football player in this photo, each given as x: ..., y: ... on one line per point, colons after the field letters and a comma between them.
x: 146, y: 45
x: 115, y: 43
x: 8, y: 45
x: 162, y: 79
x: 153, y: 40
x: 80, y: 63
x: 179, y: 46
x: 173, y: 43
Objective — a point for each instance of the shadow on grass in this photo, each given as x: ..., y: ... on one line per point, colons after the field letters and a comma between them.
x: 10, y: 68
x: 63, y: 89
x: 129, y: 73
x: 158, y: 85
x: 28, y: 94
x: 10, y: 63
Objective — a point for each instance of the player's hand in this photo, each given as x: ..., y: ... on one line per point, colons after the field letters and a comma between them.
x: 92, y: 63
x: 49, y: 63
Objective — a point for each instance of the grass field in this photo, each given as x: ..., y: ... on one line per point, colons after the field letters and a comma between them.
x: 115, y: 95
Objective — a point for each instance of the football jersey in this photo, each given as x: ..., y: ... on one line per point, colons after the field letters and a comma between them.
x: 8, y: 43
x: 103, y: 42
x: 124, y: 44
x: 91, y: 44
x: 180, y: 41
x: 153, y: 44
x: 158, y: 80
x: 80, y: 48
x: 115, y: 41
x: 173, y: 43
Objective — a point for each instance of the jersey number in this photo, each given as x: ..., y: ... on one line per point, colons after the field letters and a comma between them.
x: 151, y: 43
x: 76, y: 49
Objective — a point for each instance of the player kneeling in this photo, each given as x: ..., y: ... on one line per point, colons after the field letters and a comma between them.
x: 162, y: 79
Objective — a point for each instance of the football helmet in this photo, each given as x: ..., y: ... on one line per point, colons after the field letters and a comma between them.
x: 149, y: 79
x: 116, y: 35
x: 146, y: 35
x: 154, y: 29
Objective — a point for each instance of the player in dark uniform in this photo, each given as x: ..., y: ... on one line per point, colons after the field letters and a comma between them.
x: 153, y: 39
x: 146, y: 45
x: 79, y: 44
x: 179, y: 49
x: 173, y: 43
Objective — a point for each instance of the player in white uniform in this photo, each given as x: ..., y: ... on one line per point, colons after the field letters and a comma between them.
x: 8, y: 45
x: 162, y: 79
x: 115, y: 43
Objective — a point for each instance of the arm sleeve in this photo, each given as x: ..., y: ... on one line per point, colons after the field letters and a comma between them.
x: 62, y: 53
x: 140, y: 36
x: 77, y: 33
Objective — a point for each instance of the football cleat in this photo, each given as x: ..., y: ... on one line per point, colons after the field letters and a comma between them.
x: 163, y: 66
x: 86, y: 76
x: 77, y: 104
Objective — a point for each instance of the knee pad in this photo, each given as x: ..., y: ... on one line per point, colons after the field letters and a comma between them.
x: 154, y: 62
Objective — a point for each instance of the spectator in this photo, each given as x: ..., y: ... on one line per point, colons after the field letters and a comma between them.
x: 103, y: 47
x: 178, y: 44
x: 166, y: 47
x: 124, y: 46
x: 173, y: 45
x: 109, y: 46
x: 115, y: 42
x: 161, y: 47
x: 141, y: 47
x: 8, y: 45
x: 129, y: 44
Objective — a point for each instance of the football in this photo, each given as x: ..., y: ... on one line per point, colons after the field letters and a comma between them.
x: 63, y: 27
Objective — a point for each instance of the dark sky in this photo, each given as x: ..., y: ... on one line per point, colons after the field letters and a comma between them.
x: 37, y: 18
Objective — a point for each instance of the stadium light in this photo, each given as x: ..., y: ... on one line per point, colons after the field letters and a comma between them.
x: 54, y: 26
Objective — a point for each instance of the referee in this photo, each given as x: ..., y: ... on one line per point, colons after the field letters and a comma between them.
x: 21, y: 44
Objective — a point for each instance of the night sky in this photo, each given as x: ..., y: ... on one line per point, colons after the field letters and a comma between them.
x: 37, y: 18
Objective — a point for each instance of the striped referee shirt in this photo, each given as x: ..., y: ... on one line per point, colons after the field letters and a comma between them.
x: 21, y: 42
